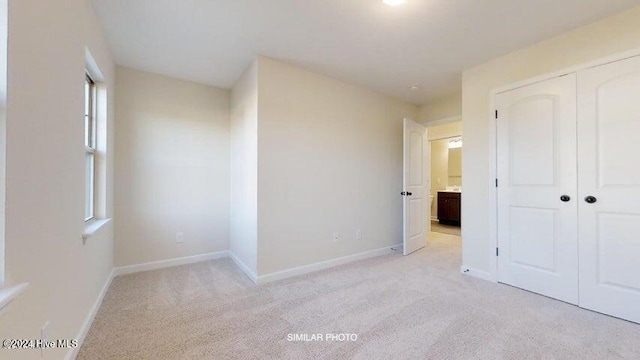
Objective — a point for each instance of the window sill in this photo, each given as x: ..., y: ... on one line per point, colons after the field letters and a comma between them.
x: 92, y: 227
x: 7, y: 295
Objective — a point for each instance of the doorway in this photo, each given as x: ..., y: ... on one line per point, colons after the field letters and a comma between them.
x: 445, y: 142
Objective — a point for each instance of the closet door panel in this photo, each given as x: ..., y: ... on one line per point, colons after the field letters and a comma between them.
x: 609, y: 173
x: 537, y: 231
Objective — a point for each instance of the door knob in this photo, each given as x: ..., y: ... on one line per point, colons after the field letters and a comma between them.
x: 409, y: 193
x: 565, y: 198
x: 590, y: 199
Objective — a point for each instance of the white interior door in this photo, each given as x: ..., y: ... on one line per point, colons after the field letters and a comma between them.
x: 415, y: 193
x: 537, y: 188
x: 608, y: 149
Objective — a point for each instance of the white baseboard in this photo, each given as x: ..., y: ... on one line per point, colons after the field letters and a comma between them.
x: 245, y: 269
x: 250, y: 274
x: 154, y: 265
x: 484, y: 275
x: 305, y: 269
x: 86, y: 325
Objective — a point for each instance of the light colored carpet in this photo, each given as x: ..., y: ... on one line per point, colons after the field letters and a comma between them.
x: 414, y: 307
x: 445, y: 229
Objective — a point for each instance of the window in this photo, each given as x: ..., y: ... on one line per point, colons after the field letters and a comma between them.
x: 90, y: 147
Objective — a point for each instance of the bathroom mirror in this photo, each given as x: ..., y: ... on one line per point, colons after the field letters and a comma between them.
x: 455, y: 162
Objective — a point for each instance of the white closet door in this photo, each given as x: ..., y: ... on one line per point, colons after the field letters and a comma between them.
x: 537, y: 234
x: 609, y: 171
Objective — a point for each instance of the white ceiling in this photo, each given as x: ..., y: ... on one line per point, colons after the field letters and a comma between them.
x: 424, y: 42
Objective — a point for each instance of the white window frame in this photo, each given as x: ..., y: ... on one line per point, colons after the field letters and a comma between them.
x: 90, y: 138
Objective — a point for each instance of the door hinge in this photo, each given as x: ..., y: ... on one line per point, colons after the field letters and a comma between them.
x: 496, y: 114
x: 497, y: 252
x: 496, y: 182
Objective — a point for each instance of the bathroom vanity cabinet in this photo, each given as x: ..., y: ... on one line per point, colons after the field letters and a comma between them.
x: 449, y: 207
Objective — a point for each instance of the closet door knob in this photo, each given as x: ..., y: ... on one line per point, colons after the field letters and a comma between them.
x: 565, y: 198
x: 590, y: 199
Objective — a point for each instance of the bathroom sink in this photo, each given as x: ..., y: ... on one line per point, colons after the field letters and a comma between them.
x: 455, y: 189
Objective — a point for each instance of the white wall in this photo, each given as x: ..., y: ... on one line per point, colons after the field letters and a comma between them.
x: 441, y: 108
x: 244, y: 169
x: 172, y: 168
x: 3, y: 52
x: 3, y: 104
x: 330, y: 160
x: 45, y: 172
x: 612, y: 35
x: 3, y: 162
x: 448, y: 130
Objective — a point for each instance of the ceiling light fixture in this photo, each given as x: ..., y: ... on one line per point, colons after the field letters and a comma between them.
x: 393, y: 2
x: 414, y: 87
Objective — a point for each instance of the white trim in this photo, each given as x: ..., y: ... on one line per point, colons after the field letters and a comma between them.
x: 484, y: 275
x: 92, y: 66
x: 305, y: 269
x: 154, y: 265
x: 88, y: 321
x: 493, y: 206
x: 283, y: 274
x: 493, y: 190
x: 245, y: 269
x: 447, y: 120
x: 444, y: 137
x: 92, y: 227
x: 7, y: 295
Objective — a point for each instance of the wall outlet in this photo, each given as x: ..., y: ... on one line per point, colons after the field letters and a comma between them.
x: 359, y: 234
x: 336, y: 237
x: 44, y: 336
x: 179, y: 238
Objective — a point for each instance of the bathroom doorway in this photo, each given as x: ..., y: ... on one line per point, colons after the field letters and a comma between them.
x: 445, y: 141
